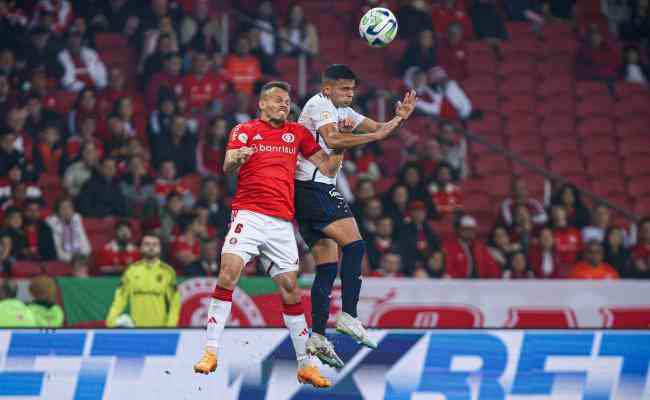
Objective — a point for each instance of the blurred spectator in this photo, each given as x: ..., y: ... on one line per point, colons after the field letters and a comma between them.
x: 416, y: 233
x: 13, y: 227
x: 420, y: 53
x: 9, y: 156
x: 6, y: 260
x: 204, y: 229
x: 87, y: 134
x: 443, y: 98
x: 114, y: 91
x: 80, y: 266
x: 361, y: 162
x: 136, y: 185
x: 640, y: 265
x: 85, y: 106
x: 414, y: 16
x: 500, y: 246
x: 38, y: 118
x: 241, y: 113
x: 636, y: 28
x: 68, y: 230
x: 433, y: 268
x: 265, y: 27
x: 299, y: 32
x: 448, y: 13
x: 465, y: 255
x: 99, y: 196
x: 446, y: 196
x: 160, y: 119
x: 59, y: 10
x: 185, y: 248
x: 383, y: 241
x: 5, y: 94
x: 158, y: 42
x: 22, y: 141
x: 80, y: 171
x: 170, y: 78
x: 453, y: 53
x: 169, y: 215
x: 201, y: 88
x: 243, y: 68
x: 596, y: 59
x: 41, y: 52
x: 488, y: 24
x: 616, y: 254
x: 390, y: 265
x: 452, y: 150
x: 82, y: 65
x: 208, y: 264
x: 47, y: 313
x: 168, y: 182
x: 396, y: 204
x: 118, y: 137
x: 119, y: 253
x: 568, y: 241
x: 518, y: 267
x: 634, y: 70
x: 593, y: 266
x: 544, y: 258
x: 178, y: 145
x: 48, y: 150
x: 411, y: 176
x: 600, y: 224
x: 13, y: 182
x: 570, y: 198
x: 133, y: 123
x: 519, y: 196
x: 201, y: 28
x: 21, y: 192
x: 13, y: 312
x: 210, y: 150
x: 212, y: 198
x: 365, y: 191
x: 523, y: 229
x: 40, y: 243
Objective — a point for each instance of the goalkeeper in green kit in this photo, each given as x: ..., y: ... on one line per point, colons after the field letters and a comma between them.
x: 148, y: 288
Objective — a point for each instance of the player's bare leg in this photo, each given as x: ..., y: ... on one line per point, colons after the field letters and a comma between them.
x: 345, y: 233
x: 294, y: 319
x: 231, y: 267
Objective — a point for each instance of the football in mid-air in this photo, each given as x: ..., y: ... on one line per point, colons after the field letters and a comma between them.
x: 378, y: 27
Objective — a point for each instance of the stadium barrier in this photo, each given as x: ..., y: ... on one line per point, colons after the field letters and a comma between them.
x: 259, y: 364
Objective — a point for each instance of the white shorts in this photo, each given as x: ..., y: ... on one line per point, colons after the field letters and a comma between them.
x: 253, y: 234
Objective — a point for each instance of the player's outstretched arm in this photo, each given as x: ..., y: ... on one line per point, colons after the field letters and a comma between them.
x: 236, y: 158
x: 327, y: 164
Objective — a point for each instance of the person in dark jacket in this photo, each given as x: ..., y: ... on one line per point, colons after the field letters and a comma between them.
x: 179, y: 145
x: 616, y: 254
x: 40, y: 242
x: 577, y: 213
x: 100, y: 195
x: 421, y: 53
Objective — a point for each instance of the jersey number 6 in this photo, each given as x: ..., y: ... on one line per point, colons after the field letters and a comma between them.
x: 238, y: 228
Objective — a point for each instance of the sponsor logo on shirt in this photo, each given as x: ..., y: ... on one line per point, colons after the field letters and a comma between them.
x: 273, y: 149
x: 288, y: 137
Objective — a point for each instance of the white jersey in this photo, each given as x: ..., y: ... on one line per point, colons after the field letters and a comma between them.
x: 320, y: 111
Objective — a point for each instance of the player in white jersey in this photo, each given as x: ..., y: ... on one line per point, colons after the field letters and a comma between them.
x: 325, y: 220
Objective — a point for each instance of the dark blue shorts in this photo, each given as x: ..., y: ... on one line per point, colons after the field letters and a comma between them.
x: 317, y: 206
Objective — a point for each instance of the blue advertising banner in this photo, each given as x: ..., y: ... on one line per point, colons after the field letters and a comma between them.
x: 260, y: 364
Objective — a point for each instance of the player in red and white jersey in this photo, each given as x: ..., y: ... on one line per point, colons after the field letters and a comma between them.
x: 265, y: 152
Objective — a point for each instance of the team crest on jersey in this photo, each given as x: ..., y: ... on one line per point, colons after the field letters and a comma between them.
x: 326, y: 115
x: 288, y: 137
x: 233, y: 240
x: 243, y: 137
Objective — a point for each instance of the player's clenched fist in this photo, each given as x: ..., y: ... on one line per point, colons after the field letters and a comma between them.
x: 243, y: 154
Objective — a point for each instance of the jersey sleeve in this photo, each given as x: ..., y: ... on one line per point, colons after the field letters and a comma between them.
x: 308, y: 145
x: 120, y: 301
x: 322, y: 112
x: 238, y: 138
x: 352, y: 113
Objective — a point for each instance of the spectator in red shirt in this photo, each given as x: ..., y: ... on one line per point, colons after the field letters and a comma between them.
x: 210, y: 150
x: 568, y: 240
x: 243, y: 68
x: 82, y: 65
x: 519, y: 196
x: 596, y: 59
x: 453, y: 53
x: 361, y: 162
x: 570, y: 198
x: 500, y: 245
x: 518, y: 267
x: 40, y: 243
x: 640, y: 265
x: 87, y: 134
x: 466, y: 256
x: 186, y: 246
x: 451, y: 12
x: 170, y: 78
x: 201, y: 88
x: 447, y: 197
x: 593, y: 266
x: 48, y: 150
x: 38, y: 117
x: 117, y: 254
x: 60, y: 9
x: 443, y: 98
x: 168, y: 182
x: 544, y: 258
x: 208, y: 264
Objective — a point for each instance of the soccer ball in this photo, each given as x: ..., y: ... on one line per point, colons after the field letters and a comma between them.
x: 378, y: 27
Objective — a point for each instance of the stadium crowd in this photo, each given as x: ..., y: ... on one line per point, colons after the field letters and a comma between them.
x: 115, y: 115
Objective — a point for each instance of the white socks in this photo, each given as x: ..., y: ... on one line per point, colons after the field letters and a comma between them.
x: 218, y: 315
x: 294, y: 320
